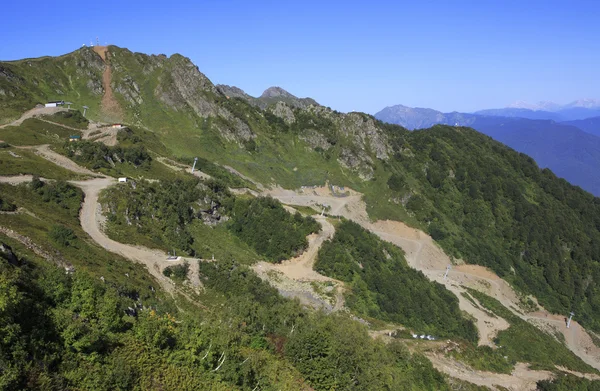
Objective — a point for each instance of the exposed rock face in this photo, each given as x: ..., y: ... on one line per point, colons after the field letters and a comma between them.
x: 357, y: 161
x: 276, y: 92
x: 284, y: 112
x: 233, y: 92
x: 190, y: 87
x: 315, y: 139
x: 270, y: 96
x: 366, y: 134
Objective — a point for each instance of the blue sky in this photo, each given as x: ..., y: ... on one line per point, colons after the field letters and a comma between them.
x: 447, y: 55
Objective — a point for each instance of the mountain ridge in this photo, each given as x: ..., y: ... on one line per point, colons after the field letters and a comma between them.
x: 570, y: 152
x: 477, y: 199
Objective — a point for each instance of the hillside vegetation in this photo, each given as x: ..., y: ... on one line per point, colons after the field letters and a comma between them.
x: 383, y: 286
x: 480, y: 200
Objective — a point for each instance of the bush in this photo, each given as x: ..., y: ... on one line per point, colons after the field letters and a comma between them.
x: 177, y: 272
x: 62, y: 235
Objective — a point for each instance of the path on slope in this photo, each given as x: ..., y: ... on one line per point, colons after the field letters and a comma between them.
x: 35, y: 112
x: 423, y: 254
x: 295, y: 276
x: 92, y: 220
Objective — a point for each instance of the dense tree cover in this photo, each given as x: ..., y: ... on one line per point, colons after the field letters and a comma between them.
x: 177, y: 272
x: 98, y: 155
x: 6, y: 206
x: 72, y: 118
x: 59, y: 193
x: 160, y: 212
x: 333, y: 352
x: 265, y: 225
x: 490, y: 205
x: 383, y: 286
x: 568, y: 382
x: 73, y: 332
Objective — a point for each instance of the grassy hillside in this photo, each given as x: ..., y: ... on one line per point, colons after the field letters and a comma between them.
x: 480, y: 200
x: 64, y: 331
x: 74, y: 77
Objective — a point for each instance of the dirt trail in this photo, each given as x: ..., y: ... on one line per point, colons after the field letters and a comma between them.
x: 16, y: 180
x: 521, y: 379
x: 176, y: 166
x: 35, y: 112
x: 92, y: 221
x: 301, y: 267
x: 60, y: 160
x: 423, y: 254
x: 235, y: 172
x: 110, y: 105
x: 294, y: 277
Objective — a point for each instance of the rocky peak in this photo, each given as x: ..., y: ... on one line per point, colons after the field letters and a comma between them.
x: 232, y: 91
x: 277, y: 92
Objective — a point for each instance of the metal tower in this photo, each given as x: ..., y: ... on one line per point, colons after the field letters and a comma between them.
x: 570, y: 317
x: 447, y: 271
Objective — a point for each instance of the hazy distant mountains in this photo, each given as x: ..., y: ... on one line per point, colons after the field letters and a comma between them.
x: 570, y: 148
x: 579, y: 109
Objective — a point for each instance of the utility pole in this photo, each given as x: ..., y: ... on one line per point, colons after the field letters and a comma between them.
x: 194, y: 166
x: 447, y: 271
x: 570, y: 317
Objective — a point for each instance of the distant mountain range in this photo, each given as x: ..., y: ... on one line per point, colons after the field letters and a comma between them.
x: 569, y: 148
x: 576, y: 110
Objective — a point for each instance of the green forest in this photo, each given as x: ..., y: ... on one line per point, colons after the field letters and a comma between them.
x: 383, y: 286
x: 168, y: 214
x: 490, y: 205
x: 65, y: 331
x: 267, y: 227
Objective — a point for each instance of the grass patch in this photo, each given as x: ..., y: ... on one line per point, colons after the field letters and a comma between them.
x: 72, y: 118
x: 484, y: 358
x: 30, y: 163
x: 35, y: 132
x: 305, y: 210
x: 222, y: 243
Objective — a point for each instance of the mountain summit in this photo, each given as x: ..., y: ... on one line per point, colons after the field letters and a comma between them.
x: 276, y: 92
x: 270, y: 96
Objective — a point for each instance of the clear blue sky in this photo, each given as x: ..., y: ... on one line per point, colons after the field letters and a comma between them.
x: 448, y: 55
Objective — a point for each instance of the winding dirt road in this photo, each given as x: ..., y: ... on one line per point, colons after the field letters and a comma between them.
x: 293, y: 277
x: 423, y: 254
x: 92, y: 220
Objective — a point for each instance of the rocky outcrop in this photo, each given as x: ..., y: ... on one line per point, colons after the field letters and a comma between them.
x: 315, y: 139
x: 284, y: 112
x: 363, y: 131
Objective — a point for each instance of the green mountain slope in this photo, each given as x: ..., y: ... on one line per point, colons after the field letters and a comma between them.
x: 480, y: 200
